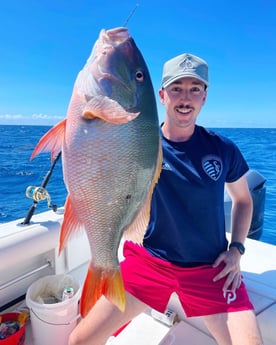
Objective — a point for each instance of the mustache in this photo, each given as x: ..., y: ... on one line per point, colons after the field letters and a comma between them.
x: 185, y: 106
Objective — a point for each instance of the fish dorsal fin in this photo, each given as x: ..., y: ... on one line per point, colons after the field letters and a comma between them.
x: 136, y: 231
x: 108, y: 110
x: 51, y: 141
x: 70, y: 224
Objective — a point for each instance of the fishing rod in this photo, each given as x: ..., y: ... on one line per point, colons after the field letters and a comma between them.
x: 131, y: 14
x: 40, y: 193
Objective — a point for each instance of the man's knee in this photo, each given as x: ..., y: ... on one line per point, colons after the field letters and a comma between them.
x: 239, y: 327
x: 73, y: 339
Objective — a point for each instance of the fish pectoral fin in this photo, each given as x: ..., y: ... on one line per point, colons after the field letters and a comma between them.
x: 108, y: 110
x: 70, y: 224
x: 99, y: 282
x: 51, y: 141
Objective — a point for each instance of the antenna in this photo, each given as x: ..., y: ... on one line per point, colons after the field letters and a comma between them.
x: 131, y: 14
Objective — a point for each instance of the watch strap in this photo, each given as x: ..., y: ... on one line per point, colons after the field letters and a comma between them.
x: 239, y: 246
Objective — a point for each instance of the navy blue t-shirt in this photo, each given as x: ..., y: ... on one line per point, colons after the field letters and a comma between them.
x: 187, y: 225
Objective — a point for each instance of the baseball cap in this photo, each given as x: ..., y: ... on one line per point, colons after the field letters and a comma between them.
x: 184, y: 65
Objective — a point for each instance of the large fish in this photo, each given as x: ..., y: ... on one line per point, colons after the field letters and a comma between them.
x: 111, y: 158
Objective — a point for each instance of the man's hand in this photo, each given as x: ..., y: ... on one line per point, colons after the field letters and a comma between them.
x: 231, y: 270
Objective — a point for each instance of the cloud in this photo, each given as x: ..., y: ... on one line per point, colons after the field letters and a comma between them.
x: 34, y: 119
x: 10, y: 117
x: 46, y: 117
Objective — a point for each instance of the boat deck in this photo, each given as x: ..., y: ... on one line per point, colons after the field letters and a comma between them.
x: 259, y: 270
x: 35, y: 247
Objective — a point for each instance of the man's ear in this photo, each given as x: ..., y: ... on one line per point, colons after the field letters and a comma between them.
x: 161, y: 95
x: 204, y: 98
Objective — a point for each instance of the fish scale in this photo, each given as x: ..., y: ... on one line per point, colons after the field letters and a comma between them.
x: 111, y: 158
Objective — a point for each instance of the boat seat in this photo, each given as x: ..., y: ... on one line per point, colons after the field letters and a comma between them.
x: 267, y: 320
x: 146, y: 330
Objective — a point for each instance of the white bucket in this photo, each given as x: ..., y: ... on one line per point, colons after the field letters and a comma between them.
x: 53, y: 323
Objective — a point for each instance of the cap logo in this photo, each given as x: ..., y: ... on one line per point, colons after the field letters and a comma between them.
x: 186, y: 64
x: 212, y: 165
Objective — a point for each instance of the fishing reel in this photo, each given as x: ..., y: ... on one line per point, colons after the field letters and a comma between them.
x: 38, y: 194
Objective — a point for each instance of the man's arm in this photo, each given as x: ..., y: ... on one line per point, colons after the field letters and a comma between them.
x: 241, y: 215
x: 242, y: 208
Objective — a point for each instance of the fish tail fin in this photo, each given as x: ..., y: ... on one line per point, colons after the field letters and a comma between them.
x: 69, y: 226
x: 114, y: 289
x: 100, y: 282
x: 51, y: 141
x: 92, y: 290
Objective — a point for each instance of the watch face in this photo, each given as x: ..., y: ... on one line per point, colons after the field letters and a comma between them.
x: 241, y: 249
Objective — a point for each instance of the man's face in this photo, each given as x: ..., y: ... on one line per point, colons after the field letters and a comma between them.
x: 183, y: 100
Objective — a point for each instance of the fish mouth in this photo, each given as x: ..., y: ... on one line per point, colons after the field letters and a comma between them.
x: 115, y: 36
x: 109, y: 42
x: 109, y: 69
x: 115, y: 45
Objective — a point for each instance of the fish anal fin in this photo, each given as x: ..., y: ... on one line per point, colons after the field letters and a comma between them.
x: 136, y: 231
x: 51, y: 141
x: 69, y: 226
x: 108, y: 110
x: 100, y: 282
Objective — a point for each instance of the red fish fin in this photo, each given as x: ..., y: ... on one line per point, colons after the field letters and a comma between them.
x: 92, y: 290
x: 51, y: 141
x: 70, y: 224
x: 158, y: 167
x: 114, y: 289
x: 99, y: 282
x: 136, y: 231
x: 108, y: 110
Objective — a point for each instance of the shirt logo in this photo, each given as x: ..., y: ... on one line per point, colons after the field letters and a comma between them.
x: 166, y: 166
x: 212, y: 165
x: 230, y: 296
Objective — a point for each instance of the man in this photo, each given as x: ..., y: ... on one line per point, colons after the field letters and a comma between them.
x: 185, y: 249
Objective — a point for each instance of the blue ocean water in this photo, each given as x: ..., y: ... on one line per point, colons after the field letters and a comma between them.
x: 17, y: 172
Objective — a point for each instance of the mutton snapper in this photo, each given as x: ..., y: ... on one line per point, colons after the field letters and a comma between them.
x: 111, y: 158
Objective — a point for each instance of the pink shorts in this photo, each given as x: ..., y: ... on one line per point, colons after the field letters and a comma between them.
x: 153, y: 280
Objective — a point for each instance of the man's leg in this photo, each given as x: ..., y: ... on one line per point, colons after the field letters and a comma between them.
x: 234, y: 328
x: 103, y: 320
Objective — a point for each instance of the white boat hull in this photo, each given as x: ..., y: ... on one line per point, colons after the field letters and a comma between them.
x: 29, y: 252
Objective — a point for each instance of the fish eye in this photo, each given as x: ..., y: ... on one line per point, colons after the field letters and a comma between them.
x: 139, y: 76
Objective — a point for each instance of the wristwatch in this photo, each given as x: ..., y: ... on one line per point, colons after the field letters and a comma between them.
x: 239, y: 246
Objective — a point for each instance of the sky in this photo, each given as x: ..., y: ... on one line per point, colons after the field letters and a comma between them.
x: 45, y: 43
